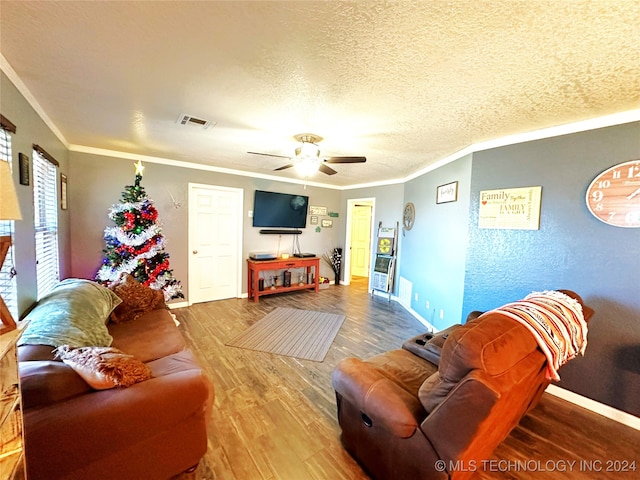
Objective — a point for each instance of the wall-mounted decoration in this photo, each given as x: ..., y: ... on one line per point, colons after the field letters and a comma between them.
x: 613, y: 197
x: 510, y: 208
x: 386, y: 240
x: 317, y: 210
x: 408, y: 216
x: 23, y: 165
x: 327, y: 223
x: 447, y: 193
x: 63, y: 191
x: 313, y: 220
x: 176, y: 203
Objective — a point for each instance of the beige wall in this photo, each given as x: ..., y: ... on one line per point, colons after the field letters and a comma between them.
x: 31, y: 130
x: 97, y: 182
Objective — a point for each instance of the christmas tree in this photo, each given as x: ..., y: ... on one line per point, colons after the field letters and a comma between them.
x: 136, y: 244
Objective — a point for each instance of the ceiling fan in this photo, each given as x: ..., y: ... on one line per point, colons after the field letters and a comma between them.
x: 307, y: 159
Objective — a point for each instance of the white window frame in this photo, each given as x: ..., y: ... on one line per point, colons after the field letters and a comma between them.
x: 45, y: 203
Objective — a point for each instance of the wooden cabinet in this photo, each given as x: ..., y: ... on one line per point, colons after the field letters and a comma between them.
x: 311, y: 265
x: 11, y: 437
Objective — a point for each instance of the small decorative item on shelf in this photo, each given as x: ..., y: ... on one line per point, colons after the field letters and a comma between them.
x: 334, y: 259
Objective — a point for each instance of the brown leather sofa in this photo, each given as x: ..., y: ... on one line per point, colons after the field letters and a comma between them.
x: 155, y: 429
x: 403, y: 416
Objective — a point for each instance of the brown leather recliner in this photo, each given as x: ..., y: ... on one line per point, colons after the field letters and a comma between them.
x: 405, y: 417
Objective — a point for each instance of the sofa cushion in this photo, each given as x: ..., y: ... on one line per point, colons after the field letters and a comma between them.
x: 403, y: 368
x: 73, y: 313
x: 45, y: 382
x: 492, y: 342
x: 149, y: 337
x: 27, y: 353
x: 495, y: 343
x: 104, y: 367
x: 137, y: 299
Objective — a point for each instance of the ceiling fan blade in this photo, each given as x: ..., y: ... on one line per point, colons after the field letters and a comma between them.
x: 328, y: 170
x: 345, y: 159
x: 283, y: 167
x: 268, y: 155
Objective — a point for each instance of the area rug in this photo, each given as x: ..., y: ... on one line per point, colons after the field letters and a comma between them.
x: 292, y: 332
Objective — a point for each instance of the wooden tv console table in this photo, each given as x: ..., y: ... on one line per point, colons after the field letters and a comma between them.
x: 257, y: 266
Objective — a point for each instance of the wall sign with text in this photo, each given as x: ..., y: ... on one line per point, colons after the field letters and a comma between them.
x: 313, y: 210
x: 510, y: 208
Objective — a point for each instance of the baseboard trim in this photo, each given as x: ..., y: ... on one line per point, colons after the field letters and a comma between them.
x: 596, y: 407
x: 178, y: 305
x: 430, y: 328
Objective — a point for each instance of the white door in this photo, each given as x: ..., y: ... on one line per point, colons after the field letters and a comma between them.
x: 360, y: 240
x: 215, y: 232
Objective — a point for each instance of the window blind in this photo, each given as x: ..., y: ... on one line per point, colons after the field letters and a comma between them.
x: 8, y: 288
x: 45, y: 203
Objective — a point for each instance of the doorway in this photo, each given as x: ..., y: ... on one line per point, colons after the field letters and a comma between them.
x: 215, y: 238
x: 359, y: 230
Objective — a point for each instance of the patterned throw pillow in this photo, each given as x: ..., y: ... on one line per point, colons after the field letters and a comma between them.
x: 104, y: 367
x: 137, y: 299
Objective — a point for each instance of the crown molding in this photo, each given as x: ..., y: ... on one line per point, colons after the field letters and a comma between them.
x: 556, y: 131
x: 26, y: 93
x: 194, y: 166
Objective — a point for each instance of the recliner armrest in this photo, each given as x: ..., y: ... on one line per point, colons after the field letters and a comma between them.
x: 381, y: 400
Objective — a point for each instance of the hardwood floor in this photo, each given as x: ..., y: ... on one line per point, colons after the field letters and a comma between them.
x: 275, y: 417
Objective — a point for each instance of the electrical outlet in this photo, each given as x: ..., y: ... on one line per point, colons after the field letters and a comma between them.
x: 416, y: 296
x: 250, y: 214
x: 427, y: 305
x: 441, y: 314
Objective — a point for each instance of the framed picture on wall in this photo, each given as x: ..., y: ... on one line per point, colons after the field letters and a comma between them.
x: 447, y: 193
x: 326, y: 223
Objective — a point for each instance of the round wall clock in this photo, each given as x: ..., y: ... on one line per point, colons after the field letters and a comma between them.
x: 409, y: 216
x: 613, y: 197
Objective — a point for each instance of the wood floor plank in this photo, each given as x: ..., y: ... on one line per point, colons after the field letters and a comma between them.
x: 275, y: 417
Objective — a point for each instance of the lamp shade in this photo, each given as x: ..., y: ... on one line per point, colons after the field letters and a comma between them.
x: 9, y: 208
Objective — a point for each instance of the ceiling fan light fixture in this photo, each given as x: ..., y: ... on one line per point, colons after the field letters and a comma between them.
x: 307, y: 160
x: 307, y: 167
x: 307, y: 151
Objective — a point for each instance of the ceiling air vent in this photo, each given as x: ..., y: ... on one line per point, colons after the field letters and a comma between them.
x: 194, y: 121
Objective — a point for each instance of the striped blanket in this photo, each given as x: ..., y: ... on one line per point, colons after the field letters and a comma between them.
x: 557, y: 323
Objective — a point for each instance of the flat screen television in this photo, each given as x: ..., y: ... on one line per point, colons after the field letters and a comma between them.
x: 279, y: 210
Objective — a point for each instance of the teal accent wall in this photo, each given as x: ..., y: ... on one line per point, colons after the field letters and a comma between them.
x: 433, y: 253
x: 571, y: 250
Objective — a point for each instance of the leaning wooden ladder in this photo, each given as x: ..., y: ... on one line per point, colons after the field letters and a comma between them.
x: 383, y: 275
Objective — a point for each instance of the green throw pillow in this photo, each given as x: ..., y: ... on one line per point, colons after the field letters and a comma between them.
x: 74, y: 313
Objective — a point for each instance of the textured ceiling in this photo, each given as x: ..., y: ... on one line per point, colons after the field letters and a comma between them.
x: 403, y: 83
